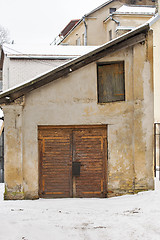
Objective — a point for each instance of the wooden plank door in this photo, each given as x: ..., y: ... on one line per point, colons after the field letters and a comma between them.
x: 55, y: 177
x: 90, y: 150
x: 62, y: 150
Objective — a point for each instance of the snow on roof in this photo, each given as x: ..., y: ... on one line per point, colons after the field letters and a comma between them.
x: 45, y: 51
x: 124, y: 28
x: 126, y: 9
x: 153, y: 19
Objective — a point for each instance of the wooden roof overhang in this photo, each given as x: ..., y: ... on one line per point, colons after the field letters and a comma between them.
x: 129, y: 39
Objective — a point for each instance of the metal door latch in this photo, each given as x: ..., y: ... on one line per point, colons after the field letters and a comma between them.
x: 76, y: 167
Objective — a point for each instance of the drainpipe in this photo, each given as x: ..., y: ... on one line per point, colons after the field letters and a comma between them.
x: 117, y: 22
x: 85, y: 31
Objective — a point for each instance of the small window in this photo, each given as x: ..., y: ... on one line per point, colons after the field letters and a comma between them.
x: 111, y: 82
x: 110, y: 35
x: 111, y: 10
x: 78, y: 41
x: 83, y: 39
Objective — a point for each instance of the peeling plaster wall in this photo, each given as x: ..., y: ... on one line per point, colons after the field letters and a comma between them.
x: 72, y: 100
x: 156, y: 61
x: 13, y: 152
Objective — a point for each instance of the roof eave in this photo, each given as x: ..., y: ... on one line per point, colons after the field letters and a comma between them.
x: 42, y: 57
x: 71, y: 31
x: 98, y: 8
x: 128, y: 39
x: 134, y: 13
x: 86, y: 15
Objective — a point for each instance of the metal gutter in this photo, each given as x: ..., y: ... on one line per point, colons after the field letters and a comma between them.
x: 133, y: 13
x: 30, y: 57
x: 85, y: 32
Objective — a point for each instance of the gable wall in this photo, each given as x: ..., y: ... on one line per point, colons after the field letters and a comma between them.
x: 74, y: 35
x: 72, y: 100
x: 96, y: 31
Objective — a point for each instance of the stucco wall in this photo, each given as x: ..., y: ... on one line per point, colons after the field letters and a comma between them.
x: 74, y: 35
x: 72, y: 100
x: 125, y: 21
x: 156, y: 61
x: 132, y: 20
x: 96, y: 30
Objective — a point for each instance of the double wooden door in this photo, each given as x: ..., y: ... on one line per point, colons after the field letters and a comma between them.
x: 72, y: 161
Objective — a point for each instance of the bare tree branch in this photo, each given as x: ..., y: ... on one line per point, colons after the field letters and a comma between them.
x: 4, y: 35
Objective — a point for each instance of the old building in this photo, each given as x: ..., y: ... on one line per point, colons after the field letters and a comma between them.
x: 108, y: 21
x: 84, y: 129
x: 126, y: 18
x: 21, y: 62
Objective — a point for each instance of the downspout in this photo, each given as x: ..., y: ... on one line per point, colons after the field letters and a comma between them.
x: 117, y: 22
x: 85, y: 31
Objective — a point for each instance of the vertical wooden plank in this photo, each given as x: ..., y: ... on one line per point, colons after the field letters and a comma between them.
x: 155, y: 152
x: 73, y: 160
x: 58, y: 147
x: 40, y: 148
x: 105, y: 163
x: 90, y: 151
x: 55, y: 163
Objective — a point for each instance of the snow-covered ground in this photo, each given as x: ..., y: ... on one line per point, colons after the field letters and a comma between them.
x: 127, y: 218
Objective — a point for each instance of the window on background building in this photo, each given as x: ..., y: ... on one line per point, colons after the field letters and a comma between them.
x: 110, y: 35
x: 110, y: 82
x: 83, y: 39
x: 111, y: 10
x: 78, y: 41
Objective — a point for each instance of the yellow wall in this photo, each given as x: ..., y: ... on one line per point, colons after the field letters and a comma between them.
x: 98, y: 30
x: 156, y: 61
x: 125, y: 21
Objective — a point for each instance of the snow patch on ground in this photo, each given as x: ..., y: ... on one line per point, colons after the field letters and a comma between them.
x: 130, y: 217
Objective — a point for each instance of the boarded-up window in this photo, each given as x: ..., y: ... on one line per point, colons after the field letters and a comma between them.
x: 111, y: 82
